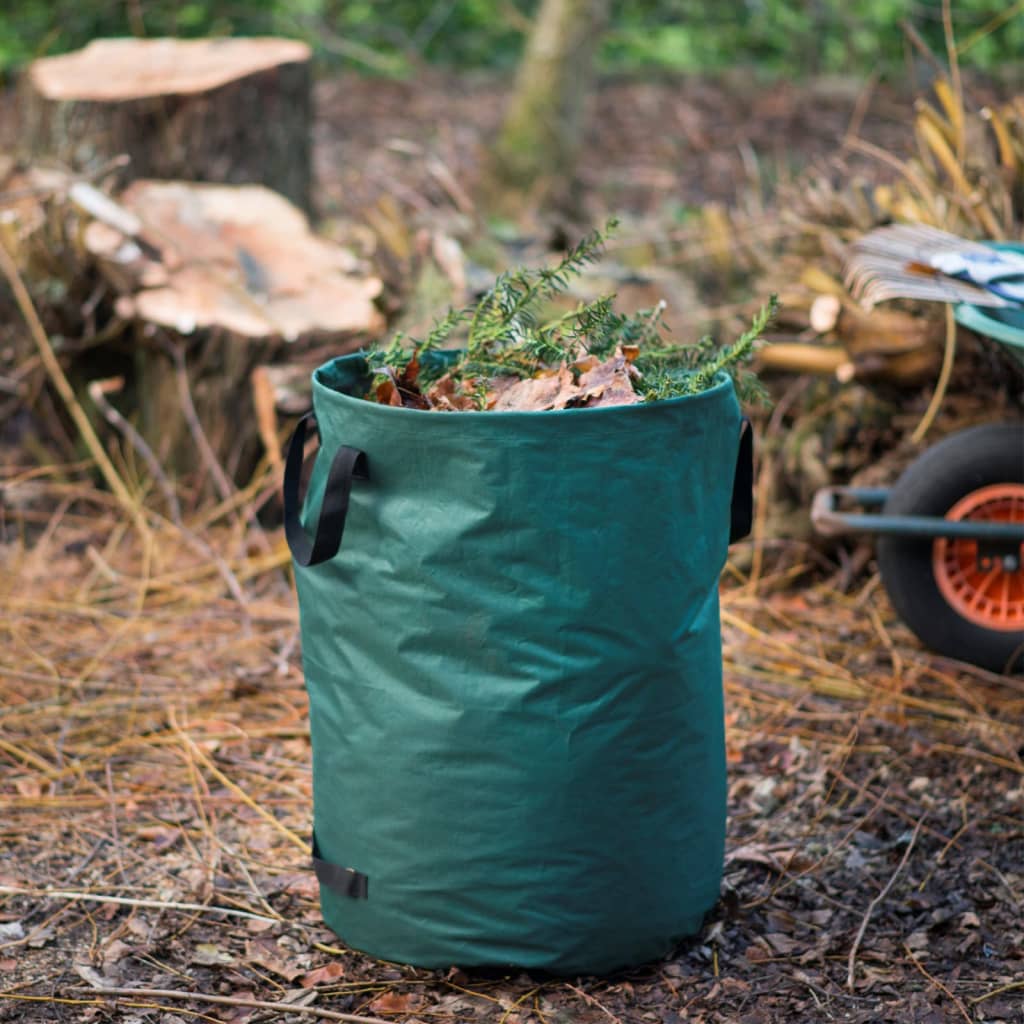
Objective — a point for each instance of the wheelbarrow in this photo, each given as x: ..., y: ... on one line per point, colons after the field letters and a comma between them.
x: 951, y: 528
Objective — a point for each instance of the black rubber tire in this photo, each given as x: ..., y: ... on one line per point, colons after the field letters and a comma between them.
x: 931, y: 486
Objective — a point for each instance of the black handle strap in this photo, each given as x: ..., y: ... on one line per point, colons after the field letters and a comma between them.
x: 741, y: 514
x: 344, y: 881
x: 348, y: 463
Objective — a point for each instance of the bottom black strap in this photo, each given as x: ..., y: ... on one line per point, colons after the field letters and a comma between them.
x: 741, y: 513
x: 343, y: 881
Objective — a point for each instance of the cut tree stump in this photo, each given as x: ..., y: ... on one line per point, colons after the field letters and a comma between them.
x: 217, y: 110
x: 236, y: 257
x: 232, y: 276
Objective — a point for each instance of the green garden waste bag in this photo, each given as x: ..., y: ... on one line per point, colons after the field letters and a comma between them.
x: 514, y: 669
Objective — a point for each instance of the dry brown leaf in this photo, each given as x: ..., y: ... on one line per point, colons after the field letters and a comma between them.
x: 443, y: 396
x: 587, y: 363
x: 499, y: 385
x: 608, y: 384
x: 114, y: 951
x: 161, y: 836
x: 387, y: 393
x: 783, y: 944
x: 265, y: 952
x: 208, y: 954
x: 323, y: 975
x: 619, y: 392
x: 395, y: 1002
x: 540, y: 393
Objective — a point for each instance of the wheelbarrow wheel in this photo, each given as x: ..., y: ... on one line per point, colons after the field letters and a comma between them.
x: 956, y: 606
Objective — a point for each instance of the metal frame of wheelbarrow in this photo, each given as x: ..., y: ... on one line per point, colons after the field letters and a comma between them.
x: 995, y: 540
x: 916, y: 531
x: 1000, y: 541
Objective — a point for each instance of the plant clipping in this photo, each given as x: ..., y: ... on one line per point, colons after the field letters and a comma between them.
x: 589, y: 357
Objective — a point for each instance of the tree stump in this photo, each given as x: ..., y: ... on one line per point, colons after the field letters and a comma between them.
x: 219, y: 110
x: 232, y: 277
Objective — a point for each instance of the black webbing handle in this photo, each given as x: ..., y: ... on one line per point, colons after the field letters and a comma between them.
x: 348, y: 463
x: 344, y: 881
x: 741, y: 513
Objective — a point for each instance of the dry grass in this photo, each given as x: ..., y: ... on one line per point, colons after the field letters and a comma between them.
x: 156, y: 782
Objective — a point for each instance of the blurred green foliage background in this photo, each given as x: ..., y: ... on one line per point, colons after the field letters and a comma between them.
x: 790, y: 37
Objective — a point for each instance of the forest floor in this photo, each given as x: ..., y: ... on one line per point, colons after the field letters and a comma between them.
x: 156, y: 786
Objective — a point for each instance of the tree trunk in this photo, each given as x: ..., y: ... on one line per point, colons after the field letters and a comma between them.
x: 219, y: 110
x: 535, y: 154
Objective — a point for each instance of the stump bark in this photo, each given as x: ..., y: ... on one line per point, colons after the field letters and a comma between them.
x: 228, y: 111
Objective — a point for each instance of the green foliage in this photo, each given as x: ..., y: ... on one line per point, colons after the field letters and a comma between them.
x: 834, y: 36
x: 506, y: 339
x: 849, y: 36
x: 670, y: 371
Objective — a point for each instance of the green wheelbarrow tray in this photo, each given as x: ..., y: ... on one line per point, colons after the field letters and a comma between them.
x: 1002, y: 324
x: 951, y: 529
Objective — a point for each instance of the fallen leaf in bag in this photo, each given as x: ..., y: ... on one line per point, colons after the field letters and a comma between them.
x: 608, y: 383
x: 619, y: 392
x: 411, y: 374
x: 499, y: 385
x: 387, y: 392
x: 587, y: 363
x: 540, y: 393
x: 443, y: 396
x: 408, y: 387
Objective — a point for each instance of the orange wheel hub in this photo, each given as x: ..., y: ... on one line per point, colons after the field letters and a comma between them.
x: 992, y: 598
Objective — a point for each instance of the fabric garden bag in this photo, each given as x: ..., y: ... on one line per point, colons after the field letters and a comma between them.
x: 515, y: 674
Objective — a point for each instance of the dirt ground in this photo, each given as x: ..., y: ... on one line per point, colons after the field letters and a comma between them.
x: 155, y: 787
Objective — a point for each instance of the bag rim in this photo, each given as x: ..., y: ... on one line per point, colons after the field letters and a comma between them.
x: 722, y: 387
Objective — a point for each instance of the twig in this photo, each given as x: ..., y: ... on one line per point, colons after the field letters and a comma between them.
x: 954, y: 78
x: 115, y: 832
x: 917, y: 41
x: 938, y: 984
x: 591, y: 1001
x: 860, y: 108
x: 943, y: 382
x: 1002, y: 878
x: 128, y: 901
x: 259, y: 1004
x: 13, y: 196
x: 98, y: 391
x: 990, y: 26
x: 224, y: 486
x: 200, y: 755
x: 1012, y: 987
x: 852, y: 960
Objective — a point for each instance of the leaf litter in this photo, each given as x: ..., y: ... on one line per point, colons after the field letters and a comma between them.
x: 163, y: 847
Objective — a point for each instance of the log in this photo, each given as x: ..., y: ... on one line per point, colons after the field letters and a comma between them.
x: 216, y: 110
